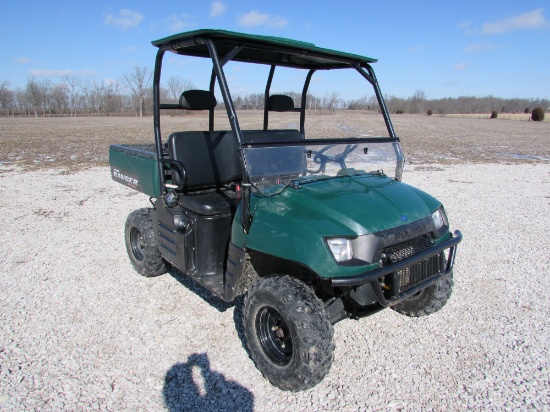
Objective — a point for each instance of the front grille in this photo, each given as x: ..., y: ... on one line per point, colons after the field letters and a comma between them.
x: 406, y: 249
x: 416, y: 273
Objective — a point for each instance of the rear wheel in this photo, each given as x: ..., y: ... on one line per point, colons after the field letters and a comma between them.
x: 288, y: 333
x: 427, y: 301
x: 142, y: 244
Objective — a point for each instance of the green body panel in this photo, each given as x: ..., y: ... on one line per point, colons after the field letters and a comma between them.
x: 135, y: 166
x: 261, y: 49
x: 293, y: 224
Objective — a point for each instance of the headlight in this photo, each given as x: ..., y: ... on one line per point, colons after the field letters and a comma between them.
x: 440, y: 221
x: 341, y: 248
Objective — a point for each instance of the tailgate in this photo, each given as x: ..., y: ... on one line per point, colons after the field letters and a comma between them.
x: 135, y: 166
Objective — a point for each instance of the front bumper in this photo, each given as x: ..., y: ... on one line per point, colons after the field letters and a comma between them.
x: 373, y: 275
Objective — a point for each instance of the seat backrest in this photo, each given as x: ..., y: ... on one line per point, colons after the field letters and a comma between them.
x: 210, y: 158
x: 280, y: 103
x: 197, y: 100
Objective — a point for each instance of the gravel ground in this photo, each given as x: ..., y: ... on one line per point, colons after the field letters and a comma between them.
x: 80, y: 330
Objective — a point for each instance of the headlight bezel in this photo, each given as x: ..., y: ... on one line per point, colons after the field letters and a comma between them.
x: 440, y: 221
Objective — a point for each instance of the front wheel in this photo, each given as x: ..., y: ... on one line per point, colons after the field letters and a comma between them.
x: 428, y: 300
x: 288, y: 333
x: 142, y: 244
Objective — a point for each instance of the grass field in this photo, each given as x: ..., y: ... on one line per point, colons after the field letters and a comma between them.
x: 77, y: 143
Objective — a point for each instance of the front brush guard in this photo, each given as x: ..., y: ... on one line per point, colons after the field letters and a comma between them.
x: 373, y: 276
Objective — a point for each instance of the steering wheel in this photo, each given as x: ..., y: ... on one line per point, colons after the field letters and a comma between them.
x: 322, y: 159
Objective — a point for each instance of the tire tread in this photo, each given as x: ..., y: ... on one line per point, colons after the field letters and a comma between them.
x: 316, y: 343
x: 429, y: 301
x: 153, y: 264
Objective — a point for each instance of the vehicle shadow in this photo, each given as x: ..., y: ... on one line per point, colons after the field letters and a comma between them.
x: 193, y: 385
x: 239, y: 322
x: 215, y: 302
x: 200, y: 290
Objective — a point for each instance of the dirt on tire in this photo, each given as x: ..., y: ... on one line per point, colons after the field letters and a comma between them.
x: 308, y: 325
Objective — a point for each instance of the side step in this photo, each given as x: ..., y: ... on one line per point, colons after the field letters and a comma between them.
x: 214, y: 283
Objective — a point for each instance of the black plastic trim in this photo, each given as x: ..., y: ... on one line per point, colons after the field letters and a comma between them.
x: 233, y: 272
x: 322, y: 142
x: 146, y: 151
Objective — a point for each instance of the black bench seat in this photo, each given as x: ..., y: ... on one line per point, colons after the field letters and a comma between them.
x: 212, y: 163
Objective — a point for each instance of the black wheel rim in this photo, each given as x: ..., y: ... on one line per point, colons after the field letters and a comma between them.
x: 136, y: 242
x: 274, y: 336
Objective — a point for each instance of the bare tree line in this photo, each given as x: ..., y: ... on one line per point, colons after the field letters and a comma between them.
x: 255, y: 101
x: 418, y: 103
x: 132, y: 94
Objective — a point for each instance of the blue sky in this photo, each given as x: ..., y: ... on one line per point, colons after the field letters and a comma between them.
x: 462, y: 48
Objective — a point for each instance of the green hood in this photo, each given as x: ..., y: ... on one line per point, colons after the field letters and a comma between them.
x: 293, y: 224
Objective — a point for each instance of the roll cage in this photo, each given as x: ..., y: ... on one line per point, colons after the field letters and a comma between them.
x: 224, y: 46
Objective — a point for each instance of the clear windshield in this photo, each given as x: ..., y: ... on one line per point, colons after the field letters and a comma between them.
x: 273, y: 168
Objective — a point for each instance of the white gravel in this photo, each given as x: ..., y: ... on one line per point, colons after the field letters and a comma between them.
x: 80, y: 330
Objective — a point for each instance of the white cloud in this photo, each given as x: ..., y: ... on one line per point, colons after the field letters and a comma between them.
x: 255, y: 18
x: 58, y: 73
x: 530, y: 20
x: 22, y: 60
x: 180, y: 23
x: 467, y: 27
x: 460, y: 66
x: 217, y: 8
x: 474, y: 48
x: 124, y: 20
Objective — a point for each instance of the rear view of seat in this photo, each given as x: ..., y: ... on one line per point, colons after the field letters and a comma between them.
x: 211, y: 161
x: 210, y: 158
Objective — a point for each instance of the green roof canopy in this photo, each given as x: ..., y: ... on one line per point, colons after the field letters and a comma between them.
x: 260, y: 49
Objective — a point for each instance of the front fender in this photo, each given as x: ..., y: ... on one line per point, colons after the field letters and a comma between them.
x: 293, y: 225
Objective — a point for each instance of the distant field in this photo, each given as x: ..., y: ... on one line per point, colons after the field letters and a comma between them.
x: 82, y: 142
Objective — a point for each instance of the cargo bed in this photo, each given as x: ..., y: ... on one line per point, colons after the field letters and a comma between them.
x: 135, y: 166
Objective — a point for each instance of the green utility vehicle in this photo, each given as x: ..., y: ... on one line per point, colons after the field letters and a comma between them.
x: 311, y: 230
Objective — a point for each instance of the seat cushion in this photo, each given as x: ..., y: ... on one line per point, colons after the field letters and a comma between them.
x: 211, y: 203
